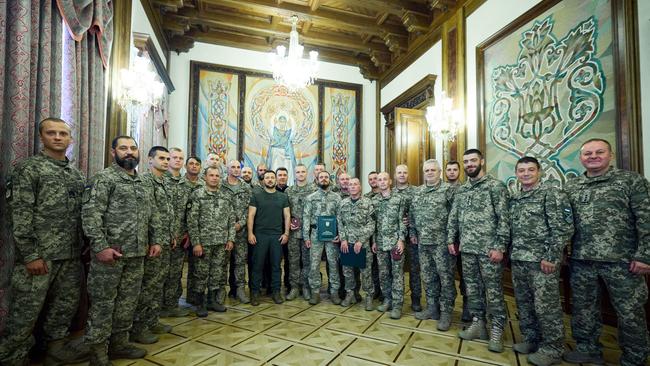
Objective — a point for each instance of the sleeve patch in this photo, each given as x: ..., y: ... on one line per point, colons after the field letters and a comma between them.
x: 568, y: 215
x: 87, y: 194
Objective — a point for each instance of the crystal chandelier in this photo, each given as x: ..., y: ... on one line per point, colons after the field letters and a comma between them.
x: 292, y: 70
x: 141, y: 92
x: 444, y: 121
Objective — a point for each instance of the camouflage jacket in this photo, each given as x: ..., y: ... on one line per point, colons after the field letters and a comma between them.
x: 210, y: 218
x: 119, y: 211
x: 390, y: 227
x: 163, y: 195
x: 479, y: 218
x: 356, y: 220
x: 429, y: 212
x: 44, y: 197
x: 240, y: 196
x: 611, y: 214
x: 371, y: 194
x: 319, y: 203
x: 297, y: 196
x: 182, y: 193
x: 407, y: 194
x: 541, y: 224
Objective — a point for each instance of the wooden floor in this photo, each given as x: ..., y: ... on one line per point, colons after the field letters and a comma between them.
x: 296, y: 333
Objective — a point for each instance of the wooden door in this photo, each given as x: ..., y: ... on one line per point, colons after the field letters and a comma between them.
x: 412, y: 145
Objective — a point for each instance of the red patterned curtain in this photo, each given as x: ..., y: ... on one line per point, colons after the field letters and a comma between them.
x: 52, y: 62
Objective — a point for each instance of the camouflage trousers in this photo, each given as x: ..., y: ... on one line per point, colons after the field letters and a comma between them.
x: 437, y: 267
x: 240, y: 251
x: 332, y: 255
x: 479, y: 271
x: 61, y: 286
x: 147, y: 312
x: 539, y: 307
x: 298, y: 261
x: 113, y: 291
x: 366, y: 273
x: 391, y: 277
x: 210, y: 269
x: 415, y: 281
x: 173, y: 289
x: 628, y: 293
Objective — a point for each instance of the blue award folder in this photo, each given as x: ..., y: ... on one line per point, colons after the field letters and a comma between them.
x: 326, y: 226
x: 351, y: 259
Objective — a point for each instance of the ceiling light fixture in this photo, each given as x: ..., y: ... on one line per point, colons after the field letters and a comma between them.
x: 292, y: 70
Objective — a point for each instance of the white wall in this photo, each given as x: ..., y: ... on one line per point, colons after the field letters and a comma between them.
x: 236, y: 57
x: 644, y: 67
x: 429, y: 63
x: 140, y: 23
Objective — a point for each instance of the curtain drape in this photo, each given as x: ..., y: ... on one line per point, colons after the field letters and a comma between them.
x: 52, y: 63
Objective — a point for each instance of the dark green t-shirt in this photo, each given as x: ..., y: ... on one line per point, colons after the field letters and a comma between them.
x: 269, y: 218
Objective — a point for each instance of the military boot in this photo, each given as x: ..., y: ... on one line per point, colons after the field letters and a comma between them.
x: 336, y: 300
x: 496, y: 336
x: 215, y: 302
x: 540, y: 358
x: 369, y: 306
x: 445, y: 322
x: 306, y: 293
x: 255, y: 298
x: 396, y: 313
x: 349, y: 299
x: 119, y: 347
x: 241, y: 295
x: 143, y: 336
x: 315, y: 298
x: 524, y: 347
x: 416, y: 303
x: 99, y: 355
x: 161, y: 328
x: 292, y: 294
x: 201, y: 308
x: 385, y: 306
x: 277, y: 297
x: 174, y: 312
x: 583, y: 357
x: 60, y: 352
x: 429, y: 312
x: 476, y: 330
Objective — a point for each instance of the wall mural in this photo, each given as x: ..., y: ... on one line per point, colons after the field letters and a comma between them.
x: 548, y: 86
x: 244, y: 115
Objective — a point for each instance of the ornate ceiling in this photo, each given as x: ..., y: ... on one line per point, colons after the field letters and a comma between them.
x: 376, y: 35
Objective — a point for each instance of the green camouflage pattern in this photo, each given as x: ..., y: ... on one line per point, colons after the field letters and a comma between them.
x: 484, y: 287
x: 240, y: 196
x: 210, y: 218
x: 356, y: 223
x: 44, y: 199
x: 390, y: 228
x: 412, y: 251
x: 299, y: 256
x: 542, y: 224
x: 612, y: 217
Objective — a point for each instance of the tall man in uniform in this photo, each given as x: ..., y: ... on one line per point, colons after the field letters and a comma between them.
x: 240, y: 195
x: 268, y: 229
x: 356, y: 221
x: 298, y: 253
x: 118, y: 217
x: 374, y: 191
x: 611, y: 211
x: 428, y: 214
x: 147, y: 313
x: 542, y: 224
x: 479, y: 229
x: 211, y: 226
x: 372, y: 183
x: 44, y: 196
x: 247, y: 175
x: 390, y: 235
x: 321, y: 203
x: 406, y: 191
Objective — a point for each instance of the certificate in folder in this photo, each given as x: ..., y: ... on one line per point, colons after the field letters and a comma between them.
x: 352, y: 259
x: 326, y: 227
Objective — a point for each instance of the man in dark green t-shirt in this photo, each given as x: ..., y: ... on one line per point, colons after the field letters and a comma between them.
x: 268, y: 230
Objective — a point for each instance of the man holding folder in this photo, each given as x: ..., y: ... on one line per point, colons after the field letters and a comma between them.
x: 356, y: 222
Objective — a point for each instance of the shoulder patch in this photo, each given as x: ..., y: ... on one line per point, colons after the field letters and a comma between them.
x: 9, y: 192
x: 568, y: 215
x: 87, y: 193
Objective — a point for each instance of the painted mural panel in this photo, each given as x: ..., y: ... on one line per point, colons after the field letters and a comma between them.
x: 340, y: 127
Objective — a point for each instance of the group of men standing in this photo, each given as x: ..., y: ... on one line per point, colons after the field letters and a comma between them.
x: 140, y: 226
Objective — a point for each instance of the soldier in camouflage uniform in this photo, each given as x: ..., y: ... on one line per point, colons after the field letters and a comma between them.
x: 479, y: 222
x: 145, y: 323
x: 120, y: 219
x: 374, y: 191
x: 406, y: 191
x: 44, y: 196
x: 321, y: 203
x: 298, y: 253
x: 240, y: 196
x: 541, y: 226
x: 428, y: 214
x: 356, y: 223
x: 611, y: 211
x: 182, y: 187
x: 389, y: 238
x: 211, y: 225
